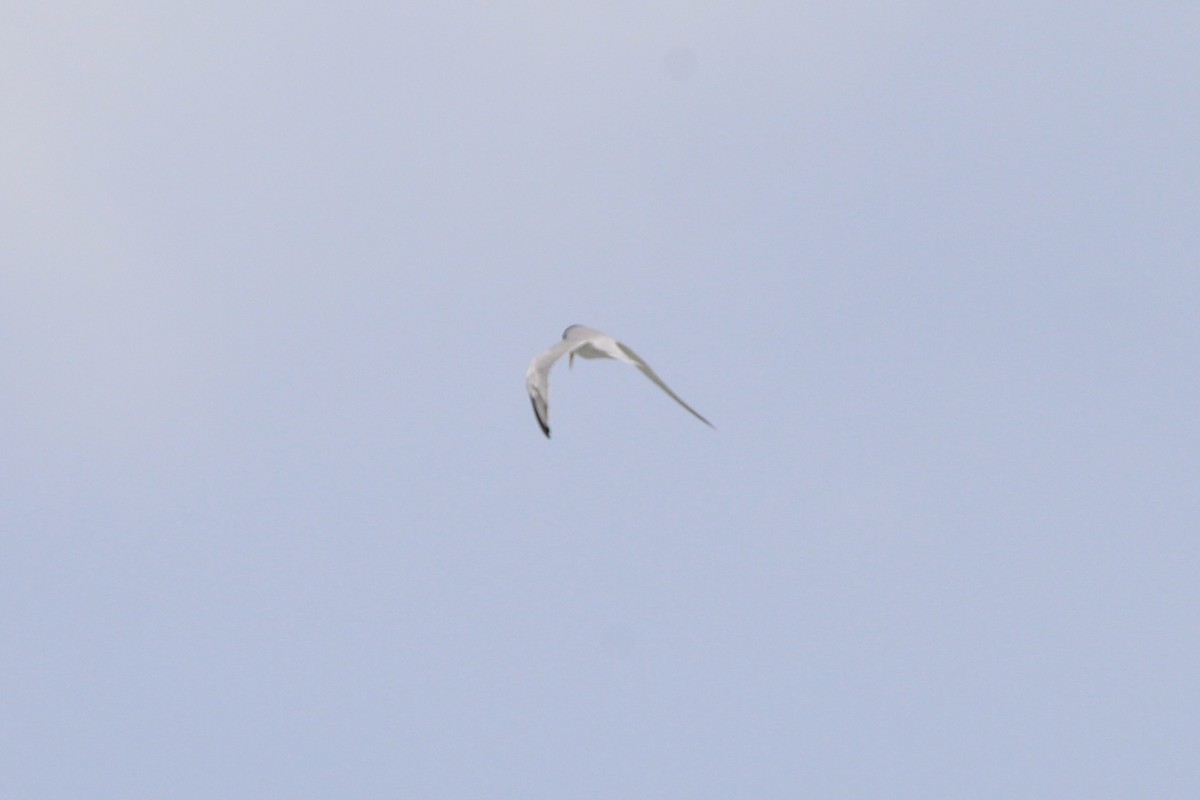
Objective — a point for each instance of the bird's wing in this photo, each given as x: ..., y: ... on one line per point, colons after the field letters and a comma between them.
x: 638, y: 362
x: 537, y: 379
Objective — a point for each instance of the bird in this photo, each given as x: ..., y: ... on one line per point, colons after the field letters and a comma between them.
x: 585, y: 342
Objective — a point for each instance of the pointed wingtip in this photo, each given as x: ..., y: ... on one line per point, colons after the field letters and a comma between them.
x: 545, y: 428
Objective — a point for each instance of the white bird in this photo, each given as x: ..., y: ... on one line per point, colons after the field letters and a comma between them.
x: 579, y: 340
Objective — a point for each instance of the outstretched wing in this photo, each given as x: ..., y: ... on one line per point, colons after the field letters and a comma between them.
x: 537, y: 380
x: 638, y: 362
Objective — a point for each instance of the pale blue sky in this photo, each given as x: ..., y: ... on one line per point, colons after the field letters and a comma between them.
x: 277, y: 520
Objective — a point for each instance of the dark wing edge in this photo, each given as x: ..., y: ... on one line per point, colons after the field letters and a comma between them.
x: 538, y: 415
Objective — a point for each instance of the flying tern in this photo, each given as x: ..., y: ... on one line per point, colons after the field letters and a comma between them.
x: 579, y: 340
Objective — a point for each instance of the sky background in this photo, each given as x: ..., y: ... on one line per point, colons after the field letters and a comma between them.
x: 276, y: 519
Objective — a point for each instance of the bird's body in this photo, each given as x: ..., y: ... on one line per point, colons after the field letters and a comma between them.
x: 579, y: 340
